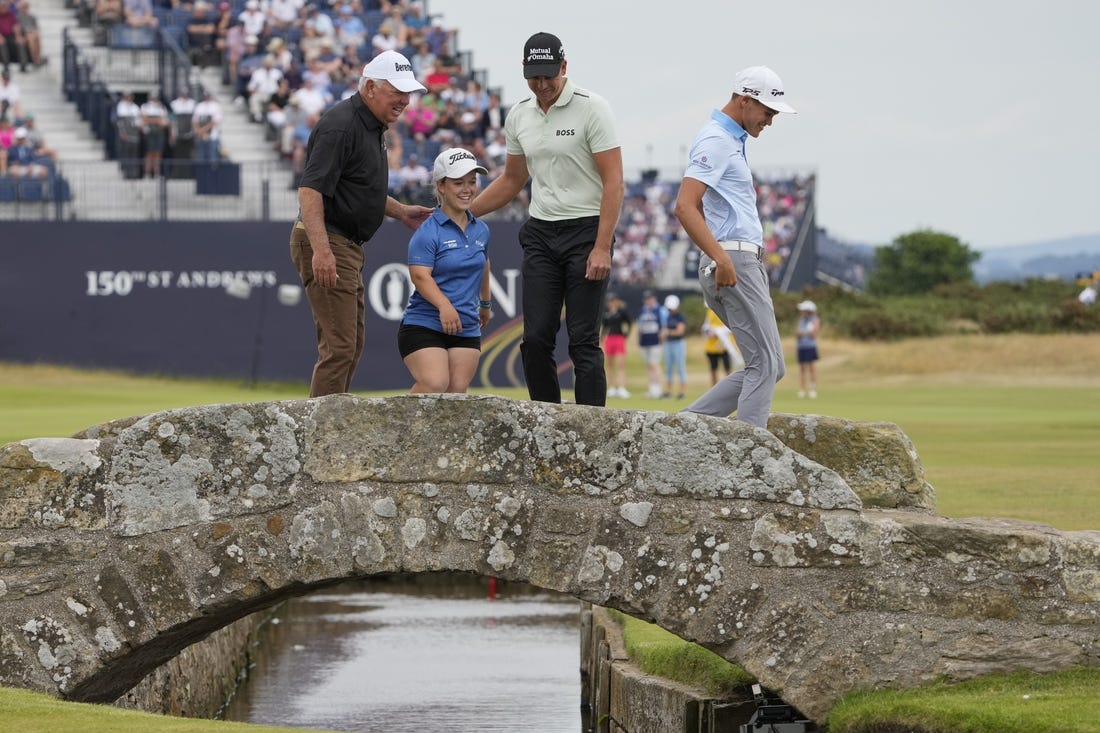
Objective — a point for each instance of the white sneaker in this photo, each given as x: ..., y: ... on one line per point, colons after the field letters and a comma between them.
x: 813, y: 394
x: 653, y: 393
x: 612, y: 391
x: 623, y: 393
x: 801, y: 394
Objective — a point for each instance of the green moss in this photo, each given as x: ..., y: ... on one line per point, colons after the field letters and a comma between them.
x: 661, y: 653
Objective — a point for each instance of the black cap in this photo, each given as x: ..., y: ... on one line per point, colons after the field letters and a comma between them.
x: 542, y: 56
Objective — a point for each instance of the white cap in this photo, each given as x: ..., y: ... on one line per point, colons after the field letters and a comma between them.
x: 394, y: 68
x: 807, y: 305
x: 456, y: 163
x: 672, y: 302
x: 20, y: 132
x: 763, y: 85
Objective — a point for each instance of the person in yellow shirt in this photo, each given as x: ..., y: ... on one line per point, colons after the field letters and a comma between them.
x: 719, y: 346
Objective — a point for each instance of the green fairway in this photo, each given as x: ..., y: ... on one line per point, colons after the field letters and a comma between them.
x: 1005, y: 426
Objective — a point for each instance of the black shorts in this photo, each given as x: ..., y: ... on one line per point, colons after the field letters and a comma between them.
x: 415, y: 338
x: 716, y: 359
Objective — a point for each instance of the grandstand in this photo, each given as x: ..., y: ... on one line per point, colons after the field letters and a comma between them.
x: 205, y: 48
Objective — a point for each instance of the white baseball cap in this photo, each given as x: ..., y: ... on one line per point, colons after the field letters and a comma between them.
x: 672, y: 302
x: 456, y: 163
x: 394, y: 68
x: 807, y: 305
x: 763, y: 85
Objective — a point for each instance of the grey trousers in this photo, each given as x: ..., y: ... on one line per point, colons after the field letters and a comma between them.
x: 748, y: 311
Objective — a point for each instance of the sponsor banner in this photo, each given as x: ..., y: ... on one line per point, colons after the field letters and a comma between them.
x: 216, y: 300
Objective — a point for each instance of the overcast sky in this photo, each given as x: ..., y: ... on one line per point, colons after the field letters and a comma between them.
x: 979, y: 118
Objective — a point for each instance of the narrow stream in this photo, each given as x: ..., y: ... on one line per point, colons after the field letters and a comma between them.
x: 425, y: 653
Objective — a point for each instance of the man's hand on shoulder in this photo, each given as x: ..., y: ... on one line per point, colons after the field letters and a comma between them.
x: 413, y: 216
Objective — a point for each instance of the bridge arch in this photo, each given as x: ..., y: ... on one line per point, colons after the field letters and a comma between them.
x: 120, y: 547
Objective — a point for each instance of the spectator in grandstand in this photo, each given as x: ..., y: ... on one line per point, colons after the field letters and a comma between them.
x: 261, y: 85
x: 384, y: 39
x: 320, y: 23
x: 253, y: 20
x: 207, y: 124
x: 299, y: 143
x: 412, y: 177
x: 202, y: 31
x: 326, y: 60
x: 108, y: 13
x: 277, y: 104
x: 496, y: 150
x: 7, y: 132
x: 475, y: 98
x: 809, y: 326
x: 675, y: 348
x: 440, y: 334
x: 284, y: 57
x: 616, y: 327
x: 251, y: 59
x: 470, y: 134
x: 311, y: 98
x: 729, y: 233
x: 32, y: 36
x: 139, y: 14
x: 20, y: 160
x: 127, y: 122
x: 283, y: 14
x: 577, y: 193
x: 154, y: 133
x: 12, y: 44
x: 420, y: 117
x: 492, y: 118
x: 446, y: 127
x: 438, y: 39
x: 350, y: 29
x: 423, y: 60
x: 719, y: 347
x: 36, y: 141
x: 9, y: 96
x: 232, y: 45
x: 342, y: 202
x: 182, y: 133
x: 318, y: 74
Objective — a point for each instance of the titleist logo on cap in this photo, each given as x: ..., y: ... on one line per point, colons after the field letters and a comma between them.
x: 460, y: 155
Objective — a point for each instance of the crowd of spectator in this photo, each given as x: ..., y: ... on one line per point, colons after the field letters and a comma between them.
x: 287, y: 61
x: 24, y: 155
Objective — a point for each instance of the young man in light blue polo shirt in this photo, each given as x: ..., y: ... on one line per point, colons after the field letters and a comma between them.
x: 717, y: 208
x: 562, y: 137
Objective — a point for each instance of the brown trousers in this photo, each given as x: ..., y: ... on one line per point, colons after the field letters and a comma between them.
x: 339, y: 313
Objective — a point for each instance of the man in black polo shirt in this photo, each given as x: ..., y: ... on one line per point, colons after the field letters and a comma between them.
x: 342, y: 198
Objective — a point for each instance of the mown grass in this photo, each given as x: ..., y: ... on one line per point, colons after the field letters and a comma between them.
x: 28, y: 712
x: 1059, y: 702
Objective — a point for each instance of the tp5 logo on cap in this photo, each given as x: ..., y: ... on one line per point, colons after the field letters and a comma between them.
x: 763, y: 85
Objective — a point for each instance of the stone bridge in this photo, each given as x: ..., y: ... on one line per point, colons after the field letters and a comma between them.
x: 123, y: 545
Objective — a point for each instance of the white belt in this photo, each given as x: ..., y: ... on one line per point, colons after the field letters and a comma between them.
x: 734, y: 245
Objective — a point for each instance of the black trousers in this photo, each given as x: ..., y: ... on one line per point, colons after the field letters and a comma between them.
x: 555, y: 257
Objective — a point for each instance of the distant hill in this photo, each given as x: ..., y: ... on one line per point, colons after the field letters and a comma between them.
x: 1063, y: 258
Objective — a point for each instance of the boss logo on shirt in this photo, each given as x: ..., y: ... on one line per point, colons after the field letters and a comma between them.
x: 561, y: 133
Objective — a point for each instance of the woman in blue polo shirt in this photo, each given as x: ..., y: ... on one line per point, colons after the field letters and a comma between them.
x: 440, y: 334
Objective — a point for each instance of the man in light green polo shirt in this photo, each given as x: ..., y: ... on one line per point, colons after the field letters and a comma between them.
x: 563, y: 138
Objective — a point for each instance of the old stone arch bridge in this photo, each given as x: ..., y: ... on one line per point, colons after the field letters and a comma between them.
x: 122, y: 546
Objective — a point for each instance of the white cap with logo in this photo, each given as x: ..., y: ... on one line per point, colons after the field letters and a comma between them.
x: 394, y: 68
x: 763, y: 85
x: 456, y: 163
